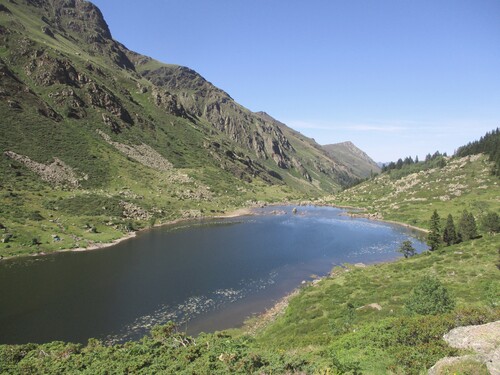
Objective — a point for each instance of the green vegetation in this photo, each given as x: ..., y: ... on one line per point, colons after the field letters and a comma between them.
x: 354, y: 158
x: 379, y: 332
x: 488, y: 144
x: 491, y: 222
x: 97, y: 136
x: 462, y: 183
x: 429, y: 297
x: 467, y: 228
x: 408, y: 165
x: 98, y: 141
x: 407, y: 249
x: 449, y: 233
x: 434, y: 236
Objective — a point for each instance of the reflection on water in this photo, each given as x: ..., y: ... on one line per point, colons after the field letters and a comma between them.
x: 208, y: 275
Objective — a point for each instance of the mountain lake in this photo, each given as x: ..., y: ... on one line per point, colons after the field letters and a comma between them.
x: 206, y: 275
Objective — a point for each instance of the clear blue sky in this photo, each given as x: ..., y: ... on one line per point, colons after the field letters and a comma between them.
x: 395, y: 77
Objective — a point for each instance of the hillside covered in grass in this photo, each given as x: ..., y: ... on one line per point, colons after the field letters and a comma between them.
x: 357, y: 160
x: 411, y: 194
x: 98, y: 141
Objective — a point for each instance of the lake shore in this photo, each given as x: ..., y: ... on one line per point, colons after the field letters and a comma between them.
x: 260, y: 321
x: 242, y: 211
x: 239, y: 212
x: 375, y: 218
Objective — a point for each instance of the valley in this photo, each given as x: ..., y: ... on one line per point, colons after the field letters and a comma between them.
x: 106, y: 141
x: 101, y: 145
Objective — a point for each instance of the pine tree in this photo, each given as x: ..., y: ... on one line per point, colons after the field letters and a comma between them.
x: 407, y: 249
x: 467, y: 227
x: 491, y: 222
x: 449, y: 232
x: 434, y: 236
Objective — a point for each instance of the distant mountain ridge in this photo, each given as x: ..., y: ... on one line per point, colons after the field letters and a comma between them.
x: 358, y: 161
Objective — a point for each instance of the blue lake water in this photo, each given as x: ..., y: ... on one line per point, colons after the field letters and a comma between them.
x: 206, y: 275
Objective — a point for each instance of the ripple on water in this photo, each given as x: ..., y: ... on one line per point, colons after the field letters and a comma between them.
x: 190, y: 308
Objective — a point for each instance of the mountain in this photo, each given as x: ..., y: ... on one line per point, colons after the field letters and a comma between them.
x: 98, y: 140
x: 360, y: 164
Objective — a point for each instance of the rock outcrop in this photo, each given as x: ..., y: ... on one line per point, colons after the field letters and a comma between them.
x: 61, y: 63
x: 483, y: 339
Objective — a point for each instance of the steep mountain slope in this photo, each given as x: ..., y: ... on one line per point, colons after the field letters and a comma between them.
x: 97, y: 140
x: 318, y: 161
x: 358, y: 161
x: 262, y: 136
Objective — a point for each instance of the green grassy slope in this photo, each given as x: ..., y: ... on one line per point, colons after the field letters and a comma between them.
x: 338, y: 317
x: 353, y: 321
x: 356, y: 319
x: 462, y: 183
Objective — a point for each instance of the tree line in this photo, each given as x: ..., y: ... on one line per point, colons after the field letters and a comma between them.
x: 488, y: 144
x: 452, y: 234
x: 408, y: 161
x: 465, y: 230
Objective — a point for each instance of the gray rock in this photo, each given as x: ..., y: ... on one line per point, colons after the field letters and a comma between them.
x: 483, y: 339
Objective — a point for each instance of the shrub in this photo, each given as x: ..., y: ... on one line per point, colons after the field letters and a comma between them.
x: 429, y: 297
x: 345, y: 365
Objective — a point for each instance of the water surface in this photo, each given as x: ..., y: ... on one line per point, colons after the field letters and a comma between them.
x: 206, y: 276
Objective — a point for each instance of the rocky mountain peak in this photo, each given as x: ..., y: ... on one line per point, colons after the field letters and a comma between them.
x: 76, y: 16
x: 354, y: 149
x: 81, y: 17
x: 170, y: 108
x: 82, y: 22
x: 348, y: 144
